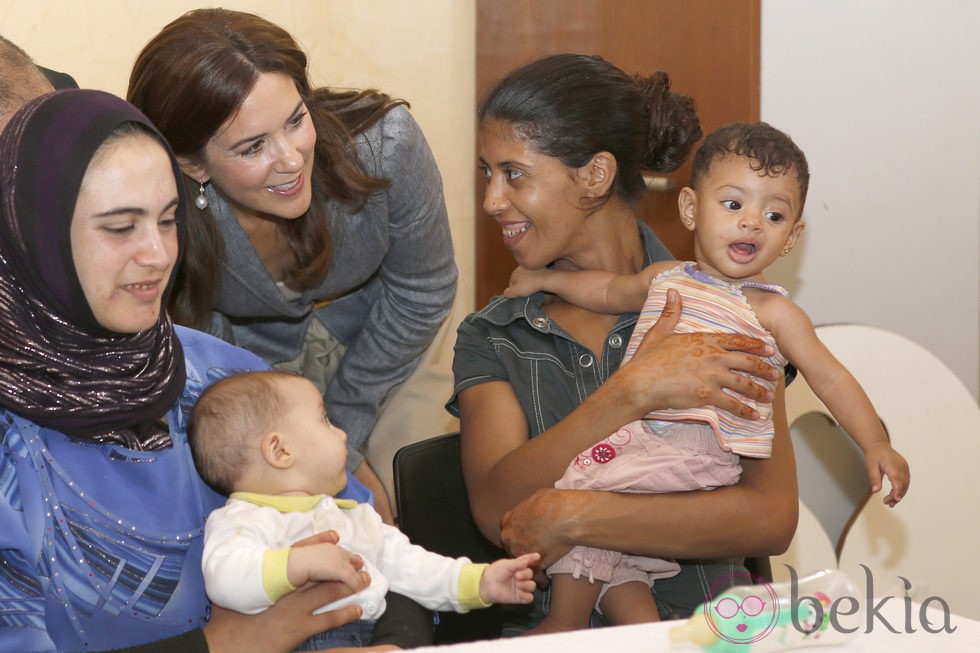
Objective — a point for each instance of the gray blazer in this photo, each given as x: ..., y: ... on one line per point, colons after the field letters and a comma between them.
x: 392, y: 280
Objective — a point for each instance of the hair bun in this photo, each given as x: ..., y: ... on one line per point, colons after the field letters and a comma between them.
x: 674, y: 123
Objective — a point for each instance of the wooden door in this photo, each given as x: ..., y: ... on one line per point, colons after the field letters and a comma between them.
x: 710, y: 48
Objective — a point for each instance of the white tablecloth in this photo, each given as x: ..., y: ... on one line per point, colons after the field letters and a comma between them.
x: 654, y: 638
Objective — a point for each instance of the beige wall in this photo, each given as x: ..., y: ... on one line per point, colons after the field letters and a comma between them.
x: 420, y: 51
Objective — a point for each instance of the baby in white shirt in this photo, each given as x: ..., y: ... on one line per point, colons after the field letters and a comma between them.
x: 264, y: 439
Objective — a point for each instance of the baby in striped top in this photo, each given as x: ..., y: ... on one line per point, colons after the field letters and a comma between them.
x: 745, y: 206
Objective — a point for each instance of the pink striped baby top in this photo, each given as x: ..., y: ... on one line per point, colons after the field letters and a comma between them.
x: 715, y: 306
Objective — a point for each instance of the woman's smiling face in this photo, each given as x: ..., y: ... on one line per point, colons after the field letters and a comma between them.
x: 124, y: 232
x: 262, y: 158
x: 536, y: 199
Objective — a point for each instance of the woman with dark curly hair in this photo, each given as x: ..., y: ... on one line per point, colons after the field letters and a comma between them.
x: 563, y: 143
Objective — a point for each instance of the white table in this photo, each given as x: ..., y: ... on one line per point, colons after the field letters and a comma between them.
x: 654, y: 638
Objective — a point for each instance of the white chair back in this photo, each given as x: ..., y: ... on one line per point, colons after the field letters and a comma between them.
x: 931, y: 539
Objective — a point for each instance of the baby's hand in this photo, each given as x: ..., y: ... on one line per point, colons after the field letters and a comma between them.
x: 325, y: 562
x: 882, y: 459
x: 509, y: 580
x: 525, y: 282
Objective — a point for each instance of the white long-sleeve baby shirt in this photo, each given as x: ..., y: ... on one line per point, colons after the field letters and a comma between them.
x: 247, y: 544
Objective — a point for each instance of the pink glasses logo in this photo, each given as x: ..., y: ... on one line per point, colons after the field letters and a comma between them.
x: 751, y: 605
x: 742, y: 619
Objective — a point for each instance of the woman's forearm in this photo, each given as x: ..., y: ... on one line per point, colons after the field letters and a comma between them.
x: 755, y: 517
x: 721, y: 523
x: 503, y: 466
x: 522, y: 465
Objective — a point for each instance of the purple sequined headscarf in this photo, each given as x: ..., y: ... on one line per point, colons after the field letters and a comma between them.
x: 59, y: 367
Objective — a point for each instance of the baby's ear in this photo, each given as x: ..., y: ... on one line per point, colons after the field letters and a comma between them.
x: 794, y: 237
x: 274, y: 450
x: 687, y: 204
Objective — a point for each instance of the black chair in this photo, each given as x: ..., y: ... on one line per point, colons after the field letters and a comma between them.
x: 434, y: 512
x: 760, y: 567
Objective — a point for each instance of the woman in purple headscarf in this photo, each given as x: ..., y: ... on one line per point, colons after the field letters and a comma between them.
x: 101, y: 510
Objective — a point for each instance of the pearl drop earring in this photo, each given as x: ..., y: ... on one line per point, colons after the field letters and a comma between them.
x: 201, y: 201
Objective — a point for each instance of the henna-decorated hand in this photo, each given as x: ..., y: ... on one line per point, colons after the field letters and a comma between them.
x: 672, y: 370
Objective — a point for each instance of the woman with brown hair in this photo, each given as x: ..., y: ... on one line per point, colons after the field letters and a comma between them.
x: 320, y: 239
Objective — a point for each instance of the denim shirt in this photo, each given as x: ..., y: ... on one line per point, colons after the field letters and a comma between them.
x: 390, y: 286
x: 512, y: 340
